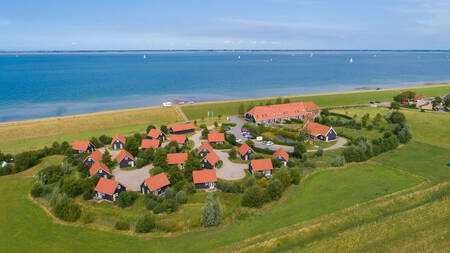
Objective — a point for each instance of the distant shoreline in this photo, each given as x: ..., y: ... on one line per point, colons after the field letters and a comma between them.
x: 26, y: 121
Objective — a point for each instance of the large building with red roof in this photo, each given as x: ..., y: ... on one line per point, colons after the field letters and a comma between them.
x: 271, y: 114
x: 264, y: 166
x: 177, y: 159
x: 118, y: 142
x: 156, y: 184
x: 182, y: 128
x: 150, y: 143
x: 216, y: 137
x: 108, y: 189
x: 204, y: 179
x: 178, y: 138
x: 319, y: 131
x: 156, y: 134
x: 83, y: 147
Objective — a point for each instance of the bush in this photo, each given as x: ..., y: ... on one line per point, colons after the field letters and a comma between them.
x: 295, y: 175
x: 274, y: 189
x: 122, y: 225
x: 87, y: 217
x: 351, y: 154
x: 72, y: 186
x: 211, y: 212
x: 319, y: 152
x: 66, y: 209
x: 299, y: 150
x: 169, y: 193
x: 251, y: 181
x: 170, y: 205
x: 126, y: 198
x: 145, y: 224
x: 338, y: 161
x: 397, y: 118
x: 151, y: 203
x: 37, y: 190
x: 181, y: 197
x: 254, y: 197
x: 219, y: 164
x: 88, y: 194
x: 156, y: 170
x: 159, y: 208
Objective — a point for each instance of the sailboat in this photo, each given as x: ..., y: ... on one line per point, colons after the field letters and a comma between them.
x: 311, y: 54
x: 239, y: 57
x: 351, y: 60
x: 145, y: 56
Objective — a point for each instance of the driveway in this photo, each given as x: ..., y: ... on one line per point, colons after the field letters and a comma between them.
x: 132, y: 179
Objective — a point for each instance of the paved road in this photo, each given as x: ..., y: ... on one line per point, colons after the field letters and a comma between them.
x: 181, y: 113
x: 132, y: 179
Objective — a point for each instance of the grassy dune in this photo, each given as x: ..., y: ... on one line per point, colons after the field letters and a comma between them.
x: 27, y: 136
x: 352, y: 98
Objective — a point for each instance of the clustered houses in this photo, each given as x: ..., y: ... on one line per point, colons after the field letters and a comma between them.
x: 216, y: 137
x: 282, y: 156
x: 210, y: 161
x: 272, y: 114
x: 125, y: 159
x: 98, y: 168
x: 156, y: 184
x: 422, y: 102
x: 150, y: 143
x: 108, y: 189
x: 204, y: 179
x: 157, y: 134
x: 118, y: 142
x: 204, y: 149
x: 93, y: 157
x: 182, y: 128
x: 177, y: 159
x: 83, y: 147
x: 264, y: 166
x: 319, y: 131
x: 245, y: 151
x: 178, y: 138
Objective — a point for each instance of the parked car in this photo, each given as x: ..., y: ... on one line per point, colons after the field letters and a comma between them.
x: 269, y: 143
x: 264, y: 142
x: 243, y: 130
x: 239, y: 141
x: 377, y: 101
x: 250, y: 136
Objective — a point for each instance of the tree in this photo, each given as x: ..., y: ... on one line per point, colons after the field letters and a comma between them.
x: 181, y: 197
x: 276, y: 163
x: 105, y: 139
x: 205, y: 133
x: 160, y: 158
x: 233, y: 154
x: 436, y: 102
x: 324, y: 113
x: 107, y: 159
x: 405, y: 96
x: 231, y: 138
x: 66, y: 209
x: 132, y: 145
x: 403, y: 133
x: 395, y: 105
x: 145, y: 224
x: 364, y: 119
x: 241, y: 109
x: 250, y: 143
x: 72, y: 186
x: 211, y: 212
x: 377, y: 119
x: 192, y: 163
x: 338, y: 161
x: 164, y: 129
x: 397, y: 118
x: 351, y: 154
x: 274, y: 189
x: 150, y: 127
x: 299, y: 150
x: 126, y: 199
x: 254, y: 197
x: 319, y: 152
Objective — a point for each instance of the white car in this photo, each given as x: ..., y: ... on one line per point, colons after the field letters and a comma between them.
x: 239, y: 141
x: 269, y: 143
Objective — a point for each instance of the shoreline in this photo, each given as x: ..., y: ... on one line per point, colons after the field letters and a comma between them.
x: 27, y: 121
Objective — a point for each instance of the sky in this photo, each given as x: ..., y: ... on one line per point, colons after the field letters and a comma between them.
x: 229, y: 24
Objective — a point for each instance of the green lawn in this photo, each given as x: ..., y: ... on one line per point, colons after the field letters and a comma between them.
x: 351, y: 98
x: 26, y: 227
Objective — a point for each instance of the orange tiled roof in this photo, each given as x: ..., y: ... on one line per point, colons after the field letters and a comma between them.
x: 283, y: 110
x: 96, y: 166
x: 154, y: 133
x: 157, y: 181
x: 214, y: 136
x: 244, y: 148
x: 107, y: 186
x: 177, y: 158
x: 419, y: 97
x: 96, y: 155
x: 120, y: 138
x: 204, y: 176
x: 212, y: 158
x: 80, y: 145
x: 150, y: 143
x: 281, y: 152
x: 205, y: 145
x: 261, y: 164
x: 182, y: 127
x: 315, y: 129
x: 179, y: 138
x: 122, y: 155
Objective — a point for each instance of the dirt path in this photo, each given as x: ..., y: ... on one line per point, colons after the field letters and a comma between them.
x: 181, y: 113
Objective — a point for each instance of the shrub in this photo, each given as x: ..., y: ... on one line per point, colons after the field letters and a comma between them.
x: 233, y: 154
x: 319, y: 152
x: 254, y: 197
x: 164, y: 129
x: 274, y: 189
x: 66, y: 209
x: 299, y: 150
x: 122, y: 225
x: 211, y: 212
x: 126, y: 198
x: 181, y: 197
x: 169, y: 193
x: 251, y: 181
x: 87, y: 217
x: 72, y: 186
x: 145, y: 224
x: 170, y: 205
x: 88, y: 194
x: 351, y: 154
x: 150, y: 203
x: 219, y: 164
x: 276, y: 163
x: 156, y: 170
x: 50, y: 174
x: 37, y: 190
x: 159, y: 208
x: 397, y: 118
x: 338, y: 161
x: 295, y: 174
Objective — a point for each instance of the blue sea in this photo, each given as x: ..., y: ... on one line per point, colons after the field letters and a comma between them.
x: 54, y: 84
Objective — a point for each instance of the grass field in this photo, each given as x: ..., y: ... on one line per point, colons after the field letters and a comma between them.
x: 28, y: 136
x: 353, y: 98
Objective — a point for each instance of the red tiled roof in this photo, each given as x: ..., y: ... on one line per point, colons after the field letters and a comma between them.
x: 96, y: 166
x: 205, y: 145
x: 154, y: 133
x: 419, y: 97
x: 283, y: 110
x: 120, y: 138
x: 204, y: 176
x: 244, y: 148
x: 182, y: 127
x: 80, y: 145
x: 310, y: 116
x: 179, y: 138
x: 157, y: 181
x: 281, y: 152
x: 212, y: 158
x: 261, y: 164
x: 150, y: 143
x: 315, y: 129
x: 96, y: 155
x: 122, y: 155
x: 177, y: 158
x: 107, y: 186
x: 214, y: 136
